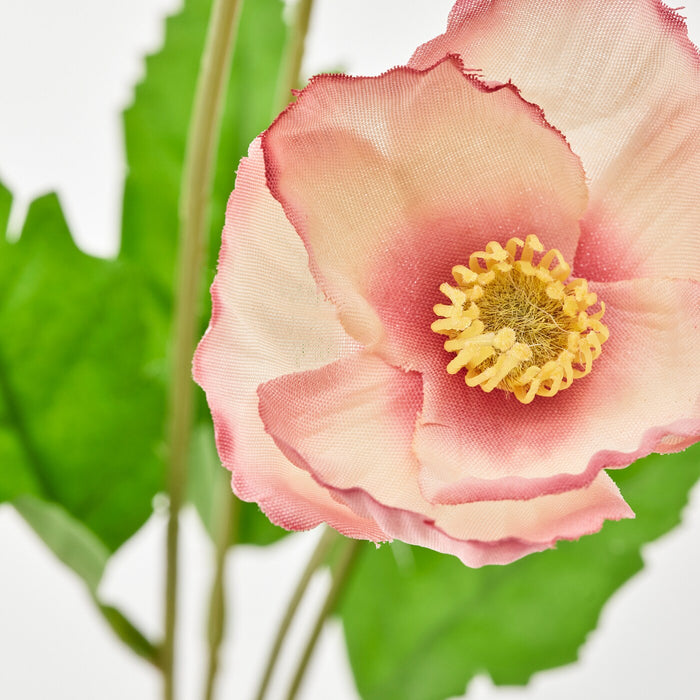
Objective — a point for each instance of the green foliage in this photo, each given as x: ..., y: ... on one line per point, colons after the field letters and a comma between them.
x: 84, y: 553
x: 83, y: 372
x: 157, y: 123
x: 155, y: 132
x: 83, y: 360
x: 75, y: 545
x: 80, y: 415
x: 84, y: 351
x: 420, y: 625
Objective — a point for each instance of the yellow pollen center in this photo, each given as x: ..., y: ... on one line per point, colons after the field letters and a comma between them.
x: 520, y: 325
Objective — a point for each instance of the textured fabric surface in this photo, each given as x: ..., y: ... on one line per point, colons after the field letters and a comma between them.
x: 643, y: 387
x: 268, y: 319
x: 576, y: 121
x: 621, y: 80
x: 350, y: 424
x: 367, y: 167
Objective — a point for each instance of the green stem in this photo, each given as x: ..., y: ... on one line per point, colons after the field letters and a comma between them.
x: 226, y: 520
x: 340, y: 575
x: 319, y: 555
x: 194, y: 200
x: 289, y: 76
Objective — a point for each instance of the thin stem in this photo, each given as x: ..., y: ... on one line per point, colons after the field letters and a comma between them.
x: 194, y: 200
x: 226, y: 520
x: 319, y: 555
x: 340, y: 576
x: 290, y: 68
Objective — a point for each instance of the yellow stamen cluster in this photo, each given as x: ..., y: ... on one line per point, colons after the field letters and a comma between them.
x: 517, y: 322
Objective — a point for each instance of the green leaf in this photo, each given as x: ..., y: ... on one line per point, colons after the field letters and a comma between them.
x: 81, y: 551
x: 207, y: 477
x: 84, y: 352
x: 157, y: 123
x: 419, y: 625
x: 129, y: 634
x: 75, y: 545
x: 80, y: 417
x: 156, y: 130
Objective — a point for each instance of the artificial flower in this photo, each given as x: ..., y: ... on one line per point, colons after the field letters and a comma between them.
x: 450, y: 296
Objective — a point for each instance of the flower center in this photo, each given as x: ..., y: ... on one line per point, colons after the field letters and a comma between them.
x: 517, y: 325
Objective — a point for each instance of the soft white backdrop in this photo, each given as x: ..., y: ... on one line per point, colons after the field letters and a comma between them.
x: 68, y: 68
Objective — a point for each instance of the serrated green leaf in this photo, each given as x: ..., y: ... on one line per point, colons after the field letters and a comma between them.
x: 84, y: 354
x: 157, y: 123
x: 80, y: 418
x: 155, y: 132
x: 419, y: 625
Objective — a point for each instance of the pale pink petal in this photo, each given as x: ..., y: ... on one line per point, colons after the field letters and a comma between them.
x: 641, y: 396
x: 621, y: 80
x: 268, y: 319
x: 351, y: 423
x: 426, y: 162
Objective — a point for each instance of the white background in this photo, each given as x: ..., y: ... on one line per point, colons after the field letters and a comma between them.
x: 67, y: 69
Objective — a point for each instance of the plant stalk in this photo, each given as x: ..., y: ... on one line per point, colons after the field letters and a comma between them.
x: 226, y: 520
x: 290, y: 68
x: 323, y: 548
x: 339, y: 577
x: 195, y: 196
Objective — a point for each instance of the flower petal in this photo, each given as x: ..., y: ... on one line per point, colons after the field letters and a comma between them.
x: 430, y: 160
x: 621, y: 79
x: 642, y: 396
x: 268, y: 318
x: 350, y: 424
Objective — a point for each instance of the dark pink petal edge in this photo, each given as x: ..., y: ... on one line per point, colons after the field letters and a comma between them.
x: 272, y: 169
x: 283, y: 508
x: 415, y: 528
x: 682, y: 433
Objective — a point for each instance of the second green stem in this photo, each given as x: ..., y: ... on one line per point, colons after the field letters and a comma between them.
x: 290, y: 70
x: 194, y: 204
x: 340, y: 574
x: 226, y: 519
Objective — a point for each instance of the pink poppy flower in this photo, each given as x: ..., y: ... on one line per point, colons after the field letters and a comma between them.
x: 444, y: 306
